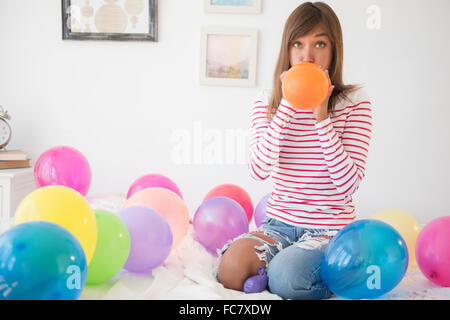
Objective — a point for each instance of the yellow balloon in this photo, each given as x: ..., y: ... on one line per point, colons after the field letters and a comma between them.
x: 65, y: 207
x: 406, y: 225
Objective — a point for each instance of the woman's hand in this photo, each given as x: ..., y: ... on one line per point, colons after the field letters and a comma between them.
x: 321, y: 112
x: 282, y: 75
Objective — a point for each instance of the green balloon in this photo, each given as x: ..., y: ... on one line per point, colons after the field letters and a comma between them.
x: 112, y: 249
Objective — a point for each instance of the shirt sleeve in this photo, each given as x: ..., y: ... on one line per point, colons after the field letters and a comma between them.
x: 266, y: 136
x: 346, y: 156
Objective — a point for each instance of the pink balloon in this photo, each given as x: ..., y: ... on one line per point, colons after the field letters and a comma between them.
x: 153, y: 180
x: 432, y: 253
x: 64, y: 166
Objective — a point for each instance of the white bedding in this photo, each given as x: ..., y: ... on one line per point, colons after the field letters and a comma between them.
x: 188, y: 274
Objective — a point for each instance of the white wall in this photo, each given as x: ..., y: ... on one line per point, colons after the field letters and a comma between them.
x: 120, y: 103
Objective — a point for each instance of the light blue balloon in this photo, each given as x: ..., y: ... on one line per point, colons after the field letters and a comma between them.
x: 41, y: 261
x: 365, y: 260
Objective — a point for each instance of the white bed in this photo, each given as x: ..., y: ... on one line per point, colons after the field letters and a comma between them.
x: 187, y: 274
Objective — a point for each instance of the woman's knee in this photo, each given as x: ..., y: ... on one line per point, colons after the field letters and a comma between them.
x: 294, y: 273
x: 240, y: 262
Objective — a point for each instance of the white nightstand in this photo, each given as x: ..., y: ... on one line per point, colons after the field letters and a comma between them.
x: 15, y: 184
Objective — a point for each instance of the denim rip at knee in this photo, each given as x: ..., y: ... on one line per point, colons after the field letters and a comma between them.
x: 284, y: 235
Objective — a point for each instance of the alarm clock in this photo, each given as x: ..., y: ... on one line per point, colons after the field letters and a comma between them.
x: 5, y: 129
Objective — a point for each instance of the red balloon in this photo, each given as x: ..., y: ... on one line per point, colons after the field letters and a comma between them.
x: 305, y: 86
x: 236, y: 193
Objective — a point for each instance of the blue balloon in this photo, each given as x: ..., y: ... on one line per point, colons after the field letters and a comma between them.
x: 365, y: 260
x: 41, y: 261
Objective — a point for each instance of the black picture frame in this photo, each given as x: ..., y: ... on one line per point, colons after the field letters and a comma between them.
x: 151, y: 35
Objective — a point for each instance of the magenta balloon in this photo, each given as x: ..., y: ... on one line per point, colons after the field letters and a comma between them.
x: 260, y: 210
x: 432, y: 251
x: 153, y: 180
x: 217, y: 221
x: 64, y: 166
x: 150, y: 238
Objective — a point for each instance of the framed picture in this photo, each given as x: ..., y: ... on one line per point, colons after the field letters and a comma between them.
x: 232, y: 6
x: 110, y: 20
x: 228, y: 56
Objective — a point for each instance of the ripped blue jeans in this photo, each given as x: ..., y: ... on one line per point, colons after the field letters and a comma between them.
x: 293, y: 262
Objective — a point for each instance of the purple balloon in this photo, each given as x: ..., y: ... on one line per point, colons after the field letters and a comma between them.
x: 260, y: 210
x: 150, y: 235
x: 256, y: 283
x: 217, y: 221
x: 151, y: 181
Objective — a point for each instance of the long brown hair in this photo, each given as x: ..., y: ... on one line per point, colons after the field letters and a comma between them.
x: 301, y: 22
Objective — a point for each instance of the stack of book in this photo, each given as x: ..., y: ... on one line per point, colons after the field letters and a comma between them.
x: 13, y: 159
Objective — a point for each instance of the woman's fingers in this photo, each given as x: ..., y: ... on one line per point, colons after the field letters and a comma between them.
x: 328, y: 77
x: 331, y: 90
x: 330, y: 86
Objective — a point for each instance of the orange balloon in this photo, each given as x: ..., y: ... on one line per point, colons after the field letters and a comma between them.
x: 169, y: 205
x: 305, y: 86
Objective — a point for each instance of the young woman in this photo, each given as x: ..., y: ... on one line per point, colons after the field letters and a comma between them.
x: 316, y: 159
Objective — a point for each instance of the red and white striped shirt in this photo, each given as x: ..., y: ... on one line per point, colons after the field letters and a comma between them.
x: 315, y: 167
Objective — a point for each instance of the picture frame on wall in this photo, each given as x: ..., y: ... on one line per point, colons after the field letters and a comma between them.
x: 232, y: 6
x: 228, y: 56
x: 121, y: 20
